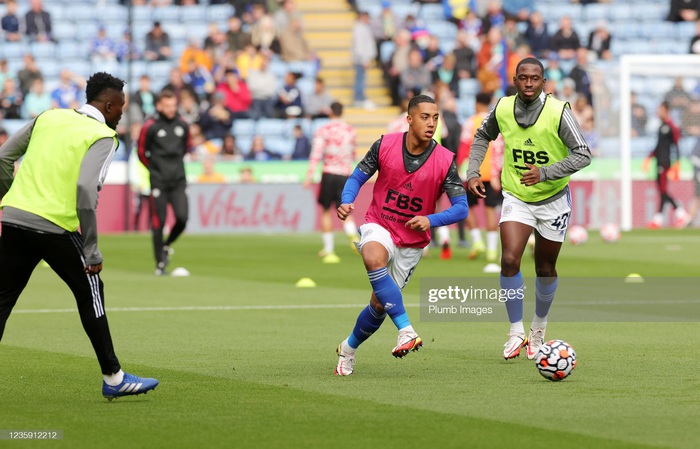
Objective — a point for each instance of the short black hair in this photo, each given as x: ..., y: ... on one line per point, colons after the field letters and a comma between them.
x: 418, y: 99
x: 484, y: 98
x: 337, y: 108
x: 530, y: 60
x: 101, y: 82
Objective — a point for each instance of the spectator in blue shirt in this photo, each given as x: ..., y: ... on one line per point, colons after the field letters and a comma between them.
x: 102, y: 47
x: 10, y: 23
x: 258, y: 152
x: 289, y: 102
x: 68, y: 93
x: 537, y: 35
x: 126, y: 49
x: 302, y: 145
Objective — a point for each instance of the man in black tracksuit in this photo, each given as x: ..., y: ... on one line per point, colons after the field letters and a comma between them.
x: 163, y: 143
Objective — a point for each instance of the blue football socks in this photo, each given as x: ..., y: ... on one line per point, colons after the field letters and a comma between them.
x: 514, y: 290
x: 544, y: 294
x: 389, y: 296
x: 367, y: 323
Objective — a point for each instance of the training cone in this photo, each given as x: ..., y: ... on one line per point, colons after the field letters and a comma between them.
x: 180, y: 272
x: 492, y: 268
x: 305, y: 283
x: 331, y: 258
x: 634, y: 278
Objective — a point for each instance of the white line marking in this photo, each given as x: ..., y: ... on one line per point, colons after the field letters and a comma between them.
x: 335, y: 306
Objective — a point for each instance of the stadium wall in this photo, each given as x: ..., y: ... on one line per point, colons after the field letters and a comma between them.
x: 274, y: 208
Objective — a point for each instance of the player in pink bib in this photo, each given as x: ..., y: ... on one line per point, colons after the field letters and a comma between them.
x: 414, y: 171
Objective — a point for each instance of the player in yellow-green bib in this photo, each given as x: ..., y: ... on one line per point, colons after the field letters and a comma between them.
x: 543, y: 147
x: 49, y: 213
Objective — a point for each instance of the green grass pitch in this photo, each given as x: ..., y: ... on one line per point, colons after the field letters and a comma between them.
x: 245, y: 359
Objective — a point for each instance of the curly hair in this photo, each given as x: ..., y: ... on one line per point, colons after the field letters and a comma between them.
x: 101, y: 82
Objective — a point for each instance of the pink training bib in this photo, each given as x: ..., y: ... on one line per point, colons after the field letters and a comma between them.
x: 399, y: 196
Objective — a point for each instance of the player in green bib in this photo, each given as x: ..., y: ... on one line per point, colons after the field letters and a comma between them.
x: 65, y: 157
x: 543, y: 147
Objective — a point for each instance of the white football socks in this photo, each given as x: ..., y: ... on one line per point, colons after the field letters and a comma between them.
x: 114, y: 379
x: 346, y: 348
x: 350, y: 228
x: 328, y: 243
x: 476, y: 235
x: 492, y: 240
x: 517, y: 328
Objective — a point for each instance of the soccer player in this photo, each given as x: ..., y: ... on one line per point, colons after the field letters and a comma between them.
x: 66, y: 156
x: 667, y: 144
x: 491, y: 173
x: 164, y: 141
x: 334, y: 145
x: 543, y: 147
x: 414, y: 170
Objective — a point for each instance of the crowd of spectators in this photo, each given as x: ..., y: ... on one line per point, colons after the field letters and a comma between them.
x: 228, y: 75
x: 224, y: 77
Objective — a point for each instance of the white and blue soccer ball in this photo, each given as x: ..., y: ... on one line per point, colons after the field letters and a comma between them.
x: 577, y: 235
x: 556, y: 360
x: 610, y: 233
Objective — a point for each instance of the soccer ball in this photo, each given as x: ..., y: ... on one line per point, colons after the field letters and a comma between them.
x: 610, y: 233
x: 578, y: 235
x: 556, y: 360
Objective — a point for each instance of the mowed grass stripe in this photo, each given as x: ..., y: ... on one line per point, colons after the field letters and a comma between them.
x: 193, y: 410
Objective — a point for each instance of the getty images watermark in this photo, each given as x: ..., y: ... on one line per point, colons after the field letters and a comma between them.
x: 458, y: 299
x: 616, y: 299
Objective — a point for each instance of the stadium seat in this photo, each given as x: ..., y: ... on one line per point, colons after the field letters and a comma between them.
x: 81, y: 67
x: 278, y: 67
x: 374, y: 10
x: 55, y: 12
x: 306, y: 68
x: 85, y: 31
x: 177, y: 31
x: 445, y: 31
x: 596, y: 11
x: 271, y: 127
x: 306, y: 85
x: 167, y: 14
x: 279, y: 144
x: 115, y: 13
x: 160, y: 70
x: 627, y: 30
x: 12, y: 50
x: 63, y: 30
x: 219, y: 13
x: 620, y: 11
x: 465, y: 108
x: 194, y: 13
x: 555, y: 11
x: 13, y: 125
x: 79, y: 12
x: 243, y: 128
x: 685, y: 30
x: 141, y: 14
x: 469, y: 87
x: 655, y: 11
x: 401, y: 10
x: 43, y: 50
x: 68, y: 49
x: 386, y: 50
x: 244, y: 143
x: 430, y: 11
